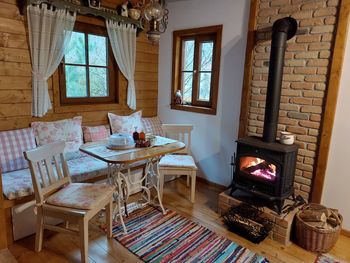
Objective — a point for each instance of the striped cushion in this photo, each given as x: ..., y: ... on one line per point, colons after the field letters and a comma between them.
x: 12, y: 145
x: 153, y: 125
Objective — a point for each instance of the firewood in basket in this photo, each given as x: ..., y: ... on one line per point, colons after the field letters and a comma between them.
x: 313, y: 216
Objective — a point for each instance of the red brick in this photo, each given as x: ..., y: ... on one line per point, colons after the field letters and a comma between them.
x: 331, y: 20
x: 315, y: 117
x: 313, y: 94
x: 308, y: 54
x: 301, y: 101
x: 301, y: 85
x: 322, y: 29
x: 332, y: 2
x: 320, y: 46
x: 309, y: 124
x: 289, y: 9
x: 313, y: 5
x: 305, y: 70
x: 317, y: 62
x: 298, y: 115
x: 315, y: 78
x: 279, y: 2
x: 311, y: 109
x: 267, y: 12
x: 311, y: 22
x: 307, y: 138
x: 328, y: 11
x: 303, y: 14
x: 325, y: 54
x: 308, y: 38
x: 297, y: 130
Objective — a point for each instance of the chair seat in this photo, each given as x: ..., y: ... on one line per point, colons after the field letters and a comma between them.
x: 80, y: 195
x: 177, y: 161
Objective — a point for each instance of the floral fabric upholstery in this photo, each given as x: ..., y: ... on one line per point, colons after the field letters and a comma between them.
x: 178, y: 161
x: 17, y: 184
x: 152, y: 125
x: 80, y: 195
x: 12, y: 145
x: 125, y: 124
x: 96, y: 133
x: 68, y: 130
x: 86, y: 168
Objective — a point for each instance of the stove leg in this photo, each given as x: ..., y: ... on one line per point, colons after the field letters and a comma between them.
x: 279, y: 204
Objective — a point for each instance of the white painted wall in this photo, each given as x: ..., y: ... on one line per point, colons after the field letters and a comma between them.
x: 336, y: 191
x: 213, y: 136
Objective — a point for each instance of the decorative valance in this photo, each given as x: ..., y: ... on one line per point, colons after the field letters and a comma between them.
x: 106, y: 13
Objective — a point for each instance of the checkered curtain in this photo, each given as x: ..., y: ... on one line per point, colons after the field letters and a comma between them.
x: 123, y: 42
x: 49, y: 33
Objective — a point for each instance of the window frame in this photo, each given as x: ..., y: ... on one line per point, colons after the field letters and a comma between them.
x: 112, y: 77
x: 200, y: 35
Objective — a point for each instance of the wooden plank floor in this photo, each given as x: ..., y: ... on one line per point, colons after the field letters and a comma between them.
x: 64, y: 248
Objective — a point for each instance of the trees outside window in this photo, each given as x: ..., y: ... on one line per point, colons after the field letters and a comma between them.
x: 88, y: 70
x: 196, y: 61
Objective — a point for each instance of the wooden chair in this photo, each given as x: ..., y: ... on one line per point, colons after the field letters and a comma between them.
x: 56, y: 196
x: 180, y: 163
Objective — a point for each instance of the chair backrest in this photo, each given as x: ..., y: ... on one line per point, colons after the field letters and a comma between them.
x: 48, y: 168
x: 180, y: 132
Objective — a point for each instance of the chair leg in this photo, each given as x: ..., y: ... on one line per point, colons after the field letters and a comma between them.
x: 188, y: 180
x: 161, y: 184
x: 193, y: 185
x: 84, y: 239
x: 39, y: 229
x: 109, y: 222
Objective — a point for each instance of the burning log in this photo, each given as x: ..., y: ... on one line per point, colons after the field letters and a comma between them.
x: 260, y: 166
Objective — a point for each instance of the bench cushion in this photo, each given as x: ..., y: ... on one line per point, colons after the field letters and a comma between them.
x: 12, y: 145
x: 95, y: 133
x: 18, y: 183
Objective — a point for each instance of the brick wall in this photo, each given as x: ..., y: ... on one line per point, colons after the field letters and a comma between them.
x: 307, y: 63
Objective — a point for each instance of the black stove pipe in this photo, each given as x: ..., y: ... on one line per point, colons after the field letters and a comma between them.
x: 282, y: 30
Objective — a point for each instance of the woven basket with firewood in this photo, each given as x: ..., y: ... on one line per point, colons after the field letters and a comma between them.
x: 317, y: 227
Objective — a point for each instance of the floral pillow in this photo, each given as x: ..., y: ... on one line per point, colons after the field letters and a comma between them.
x: 68, y: 130
x: 125, y: 124
x: 96, y: 133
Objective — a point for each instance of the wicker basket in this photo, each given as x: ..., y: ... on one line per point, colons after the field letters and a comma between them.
x: 315, y: 239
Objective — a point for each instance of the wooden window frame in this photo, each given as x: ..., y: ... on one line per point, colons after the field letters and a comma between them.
x: 200, y: 35
x: 112, y: 77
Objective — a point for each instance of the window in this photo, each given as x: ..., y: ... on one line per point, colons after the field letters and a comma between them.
x: 196, y: 63
x: 88, y: 70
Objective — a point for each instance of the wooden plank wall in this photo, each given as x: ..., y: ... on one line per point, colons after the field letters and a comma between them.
x: 15, y: 77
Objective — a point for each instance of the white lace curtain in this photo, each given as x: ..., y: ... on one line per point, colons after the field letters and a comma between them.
x: 49, y: 34
x: 123, y: 42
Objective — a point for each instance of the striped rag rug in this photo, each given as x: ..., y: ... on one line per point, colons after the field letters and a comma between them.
x: 155, y: 237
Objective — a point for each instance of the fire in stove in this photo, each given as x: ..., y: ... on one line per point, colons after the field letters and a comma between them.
x: 258, y: 167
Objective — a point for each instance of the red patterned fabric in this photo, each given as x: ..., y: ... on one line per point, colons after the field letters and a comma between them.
x: 96, y: 133
x: 12, y: 145
x: 153, y: 125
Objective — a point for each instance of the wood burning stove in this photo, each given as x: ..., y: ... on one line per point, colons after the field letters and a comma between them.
x: 263, y: 166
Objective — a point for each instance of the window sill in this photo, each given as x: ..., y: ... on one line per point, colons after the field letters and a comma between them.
x: 197, y: 109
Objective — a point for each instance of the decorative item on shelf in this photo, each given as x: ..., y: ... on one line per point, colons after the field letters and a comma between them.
x: 123, y: 9
x: 134, y: 13
x: 287, y: 138
x: 178, y: 97
x: 144, y: 140
x: 94, y: 4
x: 156, y: 15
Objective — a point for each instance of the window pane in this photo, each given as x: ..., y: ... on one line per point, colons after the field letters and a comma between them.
x: 75, y: 81
x: 75, y: 53
x: 98, y: 82
x: 187, y: 82
x: 204, y: 86
x: 206, y: 56
x: 97, y: 50
x: 188, y: 55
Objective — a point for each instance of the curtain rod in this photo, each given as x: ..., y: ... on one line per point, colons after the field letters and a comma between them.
x: 106, y: 13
